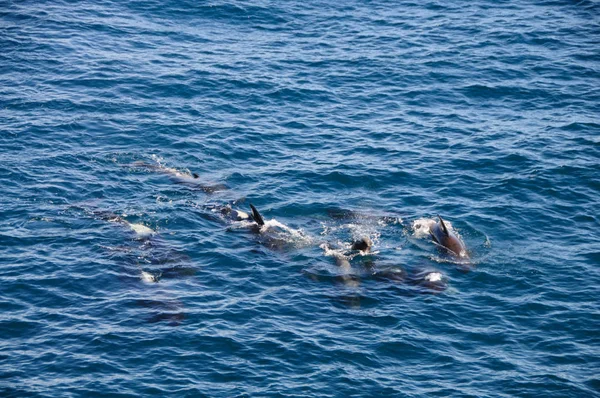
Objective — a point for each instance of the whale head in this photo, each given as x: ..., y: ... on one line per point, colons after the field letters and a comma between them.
x: 363, y: 244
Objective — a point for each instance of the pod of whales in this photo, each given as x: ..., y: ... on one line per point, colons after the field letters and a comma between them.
x: 425, y: 277
x: 429, y: 279
x: 150, y: 259
x: 275, y: 235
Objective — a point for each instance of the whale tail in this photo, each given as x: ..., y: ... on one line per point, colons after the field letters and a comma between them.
x: 444, y: 228
x: 256, y: 215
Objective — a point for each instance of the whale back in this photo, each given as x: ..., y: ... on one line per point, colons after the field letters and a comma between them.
x: 362, y: 244
x: 447, y: 239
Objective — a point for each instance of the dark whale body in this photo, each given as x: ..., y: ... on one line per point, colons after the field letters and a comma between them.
x: 256, y: 216
x: 447, y: 240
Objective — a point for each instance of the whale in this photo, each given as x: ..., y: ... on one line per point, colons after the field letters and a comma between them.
x: 141, y: 232
x: 425, y: 280
x: 157, y: 261
x: 343, y: 262
x: 447, y: 240
x: 361, y: 246
x: 430, y: 280
x: 391, y: 273
x: 234, y: 214
x: 191, y: 180
x: 273, y: 234
x: 230, y: 214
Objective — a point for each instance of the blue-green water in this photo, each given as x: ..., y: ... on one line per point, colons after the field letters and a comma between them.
x: 337, y: 120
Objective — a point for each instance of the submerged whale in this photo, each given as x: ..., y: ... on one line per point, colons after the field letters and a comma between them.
x: 190, y: 179
x: 141, y: 232
x: 429, y: 279
x: 448, y: 241
x: 343, y: 257
x: 157, y: 260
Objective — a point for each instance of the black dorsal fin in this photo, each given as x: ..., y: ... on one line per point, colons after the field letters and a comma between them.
x: 443, y: 225
x: 195, y: 175
x: 256, y: 215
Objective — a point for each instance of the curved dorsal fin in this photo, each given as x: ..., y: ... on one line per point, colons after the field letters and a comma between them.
x: 444, y: 228
x: 256, y: 215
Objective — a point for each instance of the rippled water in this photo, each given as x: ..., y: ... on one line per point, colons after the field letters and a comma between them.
x: 120, y: 275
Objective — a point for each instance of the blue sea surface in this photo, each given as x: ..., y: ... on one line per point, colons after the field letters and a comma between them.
x: 122, y: 275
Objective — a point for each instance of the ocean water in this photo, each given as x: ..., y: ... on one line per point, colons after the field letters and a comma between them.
x: 121, y: 276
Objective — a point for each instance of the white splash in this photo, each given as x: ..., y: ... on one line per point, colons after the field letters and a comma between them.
x: 242, y: 224
x: 141, y: 230
x: 434, y: 277
x: 148, y: 277
x: 294, y: 235
x: 421, y: 227
x: 184, y: 175
x: 272, y: 224
x: 329, y: 251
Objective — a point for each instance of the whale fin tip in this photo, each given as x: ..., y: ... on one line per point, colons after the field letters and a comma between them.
x: 443, y: 225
